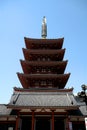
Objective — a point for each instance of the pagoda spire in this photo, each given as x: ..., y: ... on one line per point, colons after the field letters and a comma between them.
x: 44, y: 28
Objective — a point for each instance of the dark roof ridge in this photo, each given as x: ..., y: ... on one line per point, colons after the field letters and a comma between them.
x: 43, y: 90
x: 43, y: 39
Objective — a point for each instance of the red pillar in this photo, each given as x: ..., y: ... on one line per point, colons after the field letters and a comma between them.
x: 52, y: 120
x: 32, y: 120
x: 17, y: 122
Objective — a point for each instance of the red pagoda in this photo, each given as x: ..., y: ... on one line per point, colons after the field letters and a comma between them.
x: 43, y: 102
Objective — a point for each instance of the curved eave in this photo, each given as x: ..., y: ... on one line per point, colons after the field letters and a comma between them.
x: 30, y: 42
x: 26, y: 78
x: 43, y: 51
x: 23, y: 81
x: 17, y: 107
x: 28, y: 54
x: 66, y: 90
x: 26, y: 65
x: 44, y: 76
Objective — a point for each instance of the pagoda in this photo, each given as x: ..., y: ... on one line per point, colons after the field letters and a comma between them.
x: 43, y: 66
x: 43, y: 101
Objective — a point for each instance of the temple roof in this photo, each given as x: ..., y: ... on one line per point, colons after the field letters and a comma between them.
x: 45, y: 63
x: 81, y: 103
x: 61, y: 79
x: 52, y: 43
x: 65, y: 90
x: 4, y: 111
x: 43, y: 99
x: 43, y: 51
x: 45, y: 76
x: 33, y: 53
x: 59, y: 65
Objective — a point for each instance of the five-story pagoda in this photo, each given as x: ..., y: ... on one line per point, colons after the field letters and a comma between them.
x: 43, y: 66
x: 43, y: 102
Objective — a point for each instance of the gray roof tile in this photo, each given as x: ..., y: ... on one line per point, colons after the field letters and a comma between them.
x: 83, y: 109
x: 40, y: 99
x: 4, y: 110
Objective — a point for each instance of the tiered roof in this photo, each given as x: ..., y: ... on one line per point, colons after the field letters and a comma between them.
x: 39, y: 43
x: 43, y: 64
x: 43, y: 80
